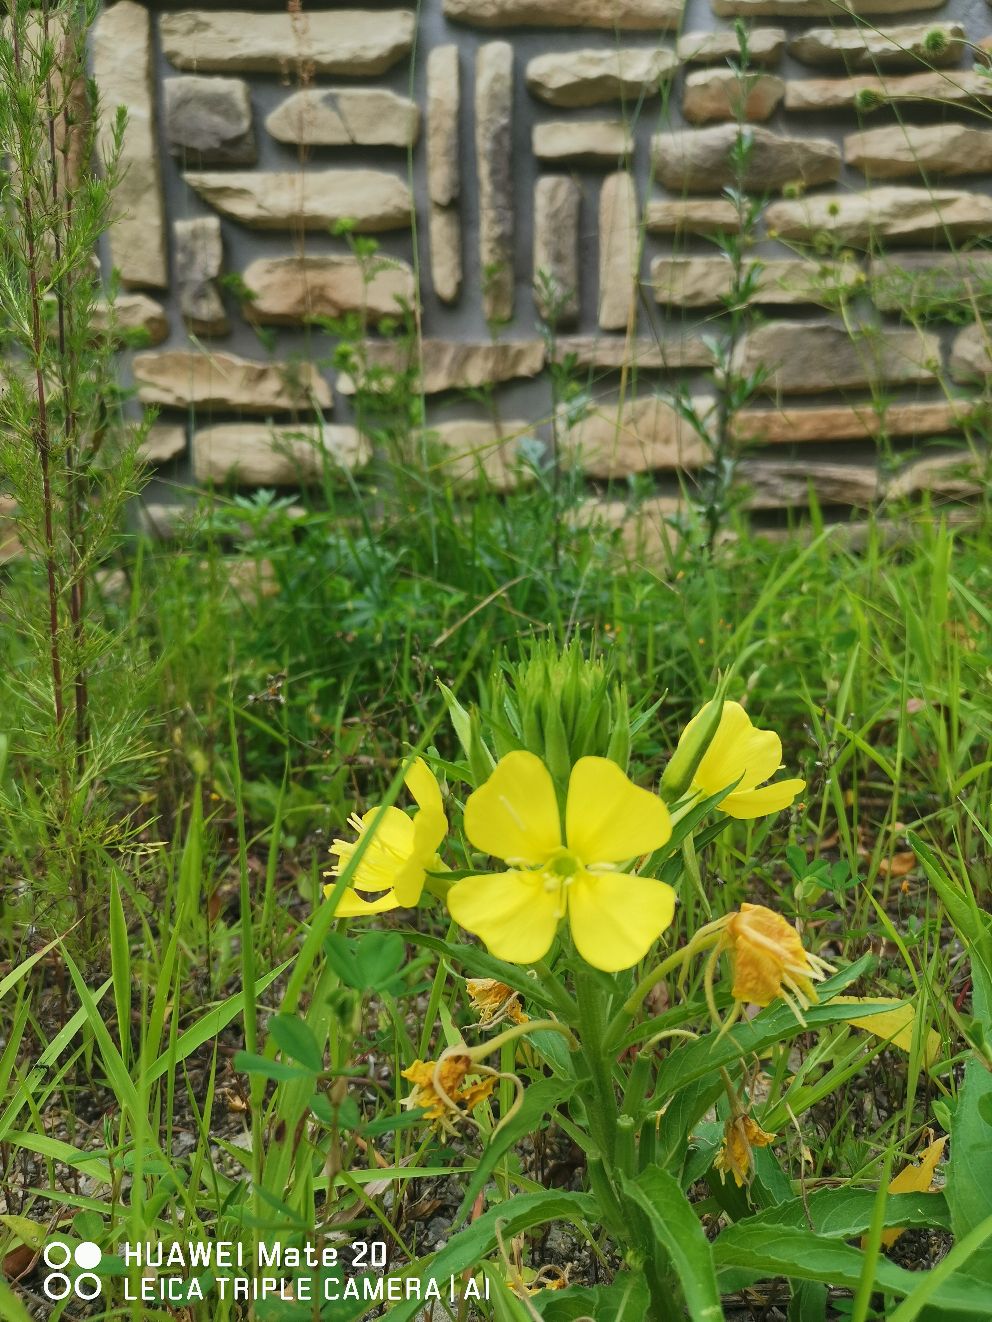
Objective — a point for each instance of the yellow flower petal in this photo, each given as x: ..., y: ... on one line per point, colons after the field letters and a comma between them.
x: 608, y: 818
x: 514, y: 815
x: 721, y: 765
x: 351, y: 904
x: 515, y: 913
x: 422, y: 784
x: 743, y: 756
x: 893, y: 1026
x: 429, y: 829
x: 616, y: 918
x: 757, y: 803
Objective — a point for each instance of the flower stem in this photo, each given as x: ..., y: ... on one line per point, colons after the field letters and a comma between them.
x: 595, y: 1056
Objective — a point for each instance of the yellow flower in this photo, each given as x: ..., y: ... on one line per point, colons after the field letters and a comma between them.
x: 399, y: 853
x: 742, y: 756
x: 741, y: 1135
x: 439, y: 1086
x: 615, y: 917
x: 495, y: 1001
x: 768, y: 958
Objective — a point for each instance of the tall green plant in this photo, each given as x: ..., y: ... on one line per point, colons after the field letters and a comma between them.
x: 61, y: 456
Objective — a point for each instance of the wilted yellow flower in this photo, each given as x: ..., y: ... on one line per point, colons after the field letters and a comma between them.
x: 768, y: 958
x: 439, y: 1086
x: 494, y: 1001
x: 743, y: 756
x: 615, y: 917
x: 741, y: 1135
x: 400, y: 852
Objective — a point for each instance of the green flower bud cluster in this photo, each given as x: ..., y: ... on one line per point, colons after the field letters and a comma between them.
x: 561, y: 706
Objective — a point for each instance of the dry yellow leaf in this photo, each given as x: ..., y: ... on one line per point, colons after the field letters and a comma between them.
x: 914, y: 1179
x: 895, y: 1026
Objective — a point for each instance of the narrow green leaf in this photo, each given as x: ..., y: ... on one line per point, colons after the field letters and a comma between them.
x: 969, y: 1173
x: 676, y: 1229
x: 295, y: 1040
x: 767, y: 1251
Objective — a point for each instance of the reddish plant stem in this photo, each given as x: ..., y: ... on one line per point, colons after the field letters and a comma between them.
x: 76, y: 531
x: 42, y: 445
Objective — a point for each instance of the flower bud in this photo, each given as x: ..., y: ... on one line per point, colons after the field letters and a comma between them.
x: 690, y: 752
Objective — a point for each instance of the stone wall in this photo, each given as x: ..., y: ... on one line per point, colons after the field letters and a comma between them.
x: 589, y: 140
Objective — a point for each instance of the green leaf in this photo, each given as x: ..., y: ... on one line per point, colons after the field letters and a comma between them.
x: 506, y: 1306
x: 264, y: 1068
x: 370, y: 962
x: 764, y: 1251
x: 538, y: 1101
x: 703, y: 1059
x: 297, y: 1041
x: 969, y: 1173
x: 676, y: 1230
x: 845, y: 1213
x: 625, y: 1300
x: 464, y: 1251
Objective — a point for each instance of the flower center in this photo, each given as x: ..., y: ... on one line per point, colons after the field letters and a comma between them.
x: 563, y: 864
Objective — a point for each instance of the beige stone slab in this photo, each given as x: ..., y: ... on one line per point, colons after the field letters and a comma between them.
x: 765, y: 46
x: 800, y: 357
x: 713, y: 95
x: 184, y: 378
x: 648, y: 531
x: 868, y: 48
x: 445, y: 234
x: 703, y: 215
x: 494, y: 165
x: 121, y: 46
x: 337, y: 41
x: 616, y: 352
x: 132, y: 314
x: 619, y: 252
x: 900, y: 151
x: 916, y: 282
x: 307, y: 199
x: 345, y: 117
x: 971, y: 355
x: 557, y: 203
x: 572, y: 79
x: 641, y: 436
x: 257, y: 455
x: 792, y: 426
x: 899, y: 215
x: 599, y: 141
x: 815, y: 8
x: 625, y: 15
x: 443, y: 100
x: 163, y: 442
x: 290, y: 291
x: 198, y: 260
x: 470, y: 452
x: 703, y: 159
x: 453, y: 364
x: 10, y: 543
x: 700, y: 282
x: 953, y: 87
x: 956, y: 476
x: 208, y: 121
x: 780, y: 484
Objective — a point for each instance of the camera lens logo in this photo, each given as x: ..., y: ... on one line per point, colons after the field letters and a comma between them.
x: 57, y: 1256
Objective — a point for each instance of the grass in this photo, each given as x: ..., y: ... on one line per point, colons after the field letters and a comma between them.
x: 126, y: 1107
x: 193, y: 1047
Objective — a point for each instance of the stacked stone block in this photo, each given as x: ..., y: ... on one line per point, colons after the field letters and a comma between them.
x: 566, y: 161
